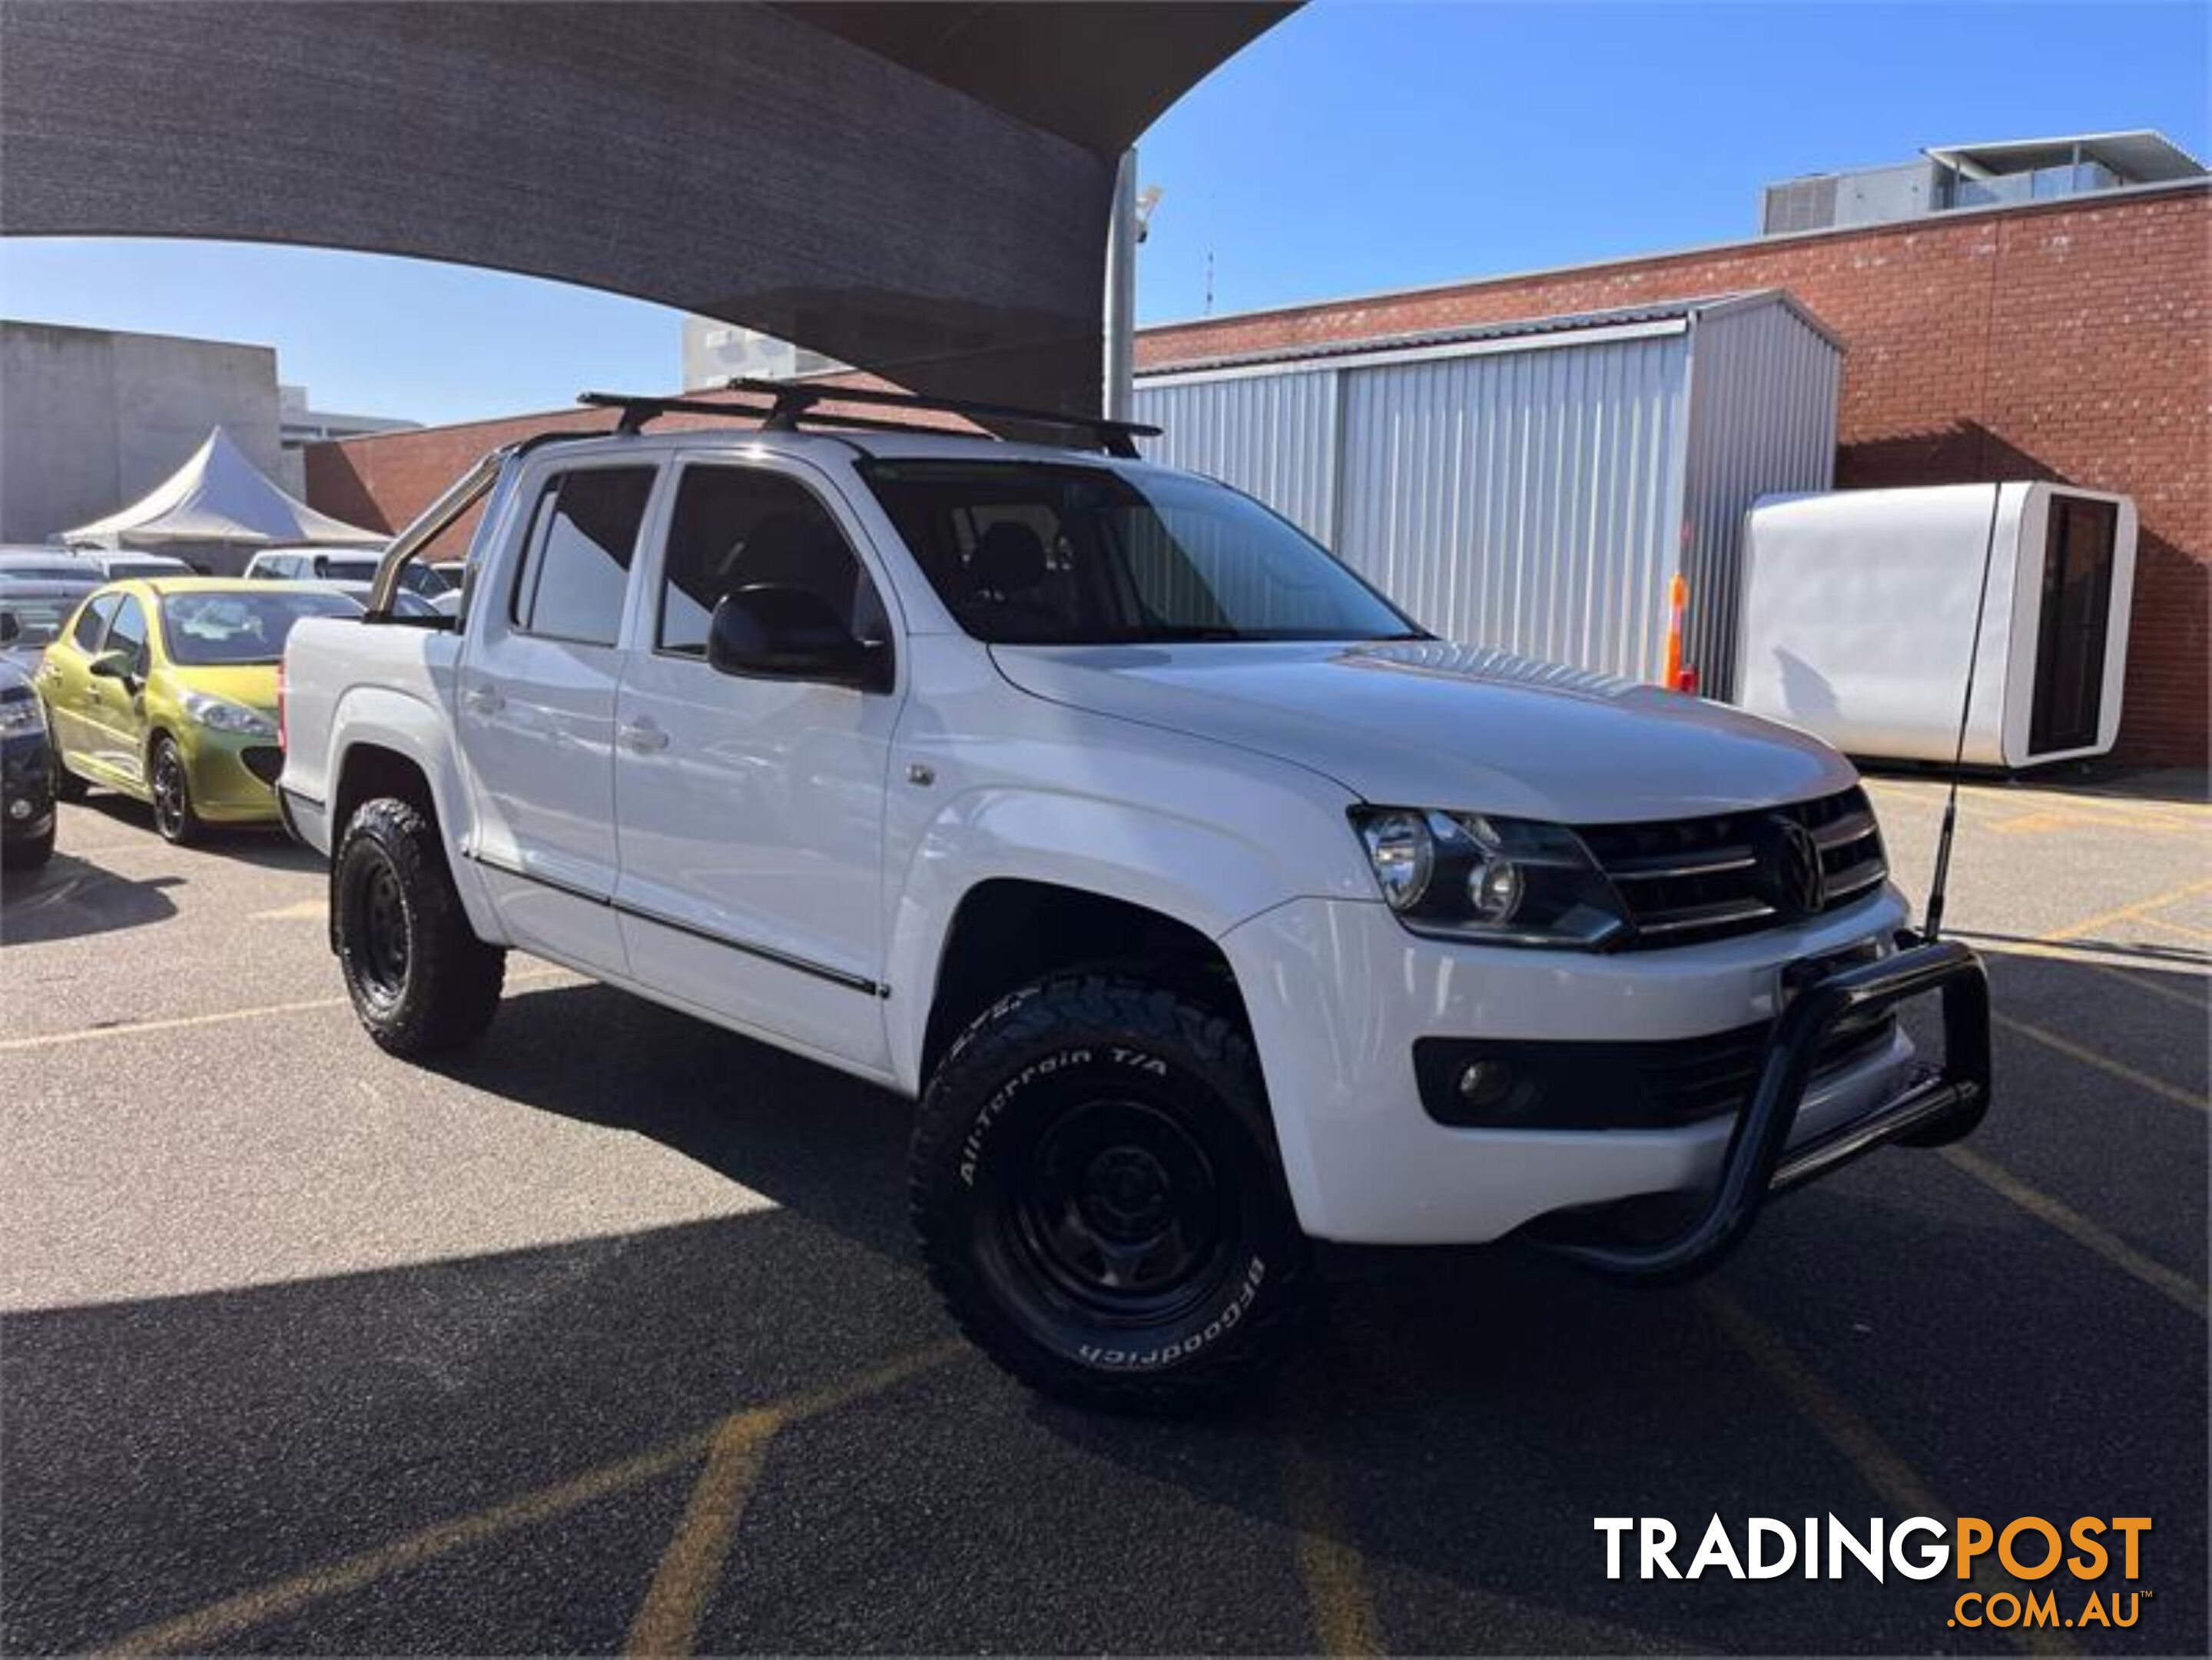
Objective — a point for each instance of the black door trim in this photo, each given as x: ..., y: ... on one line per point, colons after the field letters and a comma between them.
x: 860, y: 984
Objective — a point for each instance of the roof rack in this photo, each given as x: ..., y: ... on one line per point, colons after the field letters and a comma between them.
x: 789, y: 404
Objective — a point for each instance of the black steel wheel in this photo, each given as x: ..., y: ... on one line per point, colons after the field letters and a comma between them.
x: 419, y: 978
x: 1097, y: 1197
x: 170, y: 784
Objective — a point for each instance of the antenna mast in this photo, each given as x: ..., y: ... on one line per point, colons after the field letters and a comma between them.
x: 1934, y: 925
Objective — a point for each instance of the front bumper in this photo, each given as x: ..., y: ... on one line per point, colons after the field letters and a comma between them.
x: 27, y: 787
x: 1338, y: 996
x: 226, y: 771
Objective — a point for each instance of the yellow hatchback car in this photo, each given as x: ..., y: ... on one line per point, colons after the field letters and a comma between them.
x: 165, y: 689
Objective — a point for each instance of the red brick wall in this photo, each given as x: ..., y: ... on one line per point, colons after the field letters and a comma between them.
x: 2064, y: 341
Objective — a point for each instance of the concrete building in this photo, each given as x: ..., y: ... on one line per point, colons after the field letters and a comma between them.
x: 715, y: 352
x: 91, y: 419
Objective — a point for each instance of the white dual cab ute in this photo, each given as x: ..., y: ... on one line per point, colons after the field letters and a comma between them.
x: 1207, y: 905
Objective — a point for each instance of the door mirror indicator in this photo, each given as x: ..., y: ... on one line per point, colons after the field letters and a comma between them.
x: 780, y: 631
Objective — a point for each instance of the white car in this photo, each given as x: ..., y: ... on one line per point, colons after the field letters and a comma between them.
x: 111, y: 565
x: 340, y: 565
x: 1205, y: 904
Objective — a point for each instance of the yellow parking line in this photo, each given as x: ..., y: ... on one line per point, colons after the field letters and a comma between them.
x: 690, y: 1567
x: 2079, y: 1228
x: 1997, y: 944
x: 305, y: 911
x: 2123, y: 913
x: 2188, y: 928
x: 2119, y: 1069
x: 215, y: 1018
x: 1328, y: 1564
x: 667, y: 1622
x: 1850, y: 1435
x: 132, y: 1028
x: 205, y: 1627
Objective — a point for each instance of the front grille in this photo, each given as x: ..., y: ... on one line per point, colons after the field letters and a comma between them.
x: 264, y: 761
x: 1704, y: 1076
x: 1688, y: 880
x: 1624, y: 1085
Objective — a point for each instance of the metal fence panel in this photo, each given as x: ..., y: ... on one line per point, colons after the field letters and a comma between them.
x: 1764, y: 393
x: 1525, y: 500
x: 1271, y: 435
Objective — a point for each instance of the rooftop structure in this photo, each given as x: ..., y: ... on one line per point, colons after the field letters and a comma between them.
x: 1948, y: 177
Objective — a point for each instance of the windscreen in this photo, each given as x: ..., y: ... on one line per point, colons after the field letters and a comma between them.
x: 38, y: 617
x: 233, y: 626
x: 1045, y: 554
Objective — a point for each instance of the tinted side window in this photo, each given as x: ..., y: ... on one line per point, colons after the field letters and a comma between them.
x: 92, y: 621
x: 128, y: 633
x: 735, y: 526
x: 575, y: 565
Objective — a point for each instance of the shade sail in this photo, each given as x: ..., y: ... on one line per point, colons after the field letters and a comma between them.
x: 918, y: 190
x: 218, y: 496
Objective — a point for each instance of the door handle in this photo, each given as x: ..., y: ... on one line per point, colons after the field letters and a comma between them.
x: 643, y: 737
x: 483, y: 700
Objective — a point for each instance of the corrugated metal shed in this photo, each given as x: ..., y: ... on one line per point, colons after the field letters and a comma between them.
x: 1533, y: 485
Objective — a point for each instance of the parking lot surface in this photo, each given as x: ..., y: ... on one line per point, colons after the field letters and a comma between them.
x: 610, y: 1336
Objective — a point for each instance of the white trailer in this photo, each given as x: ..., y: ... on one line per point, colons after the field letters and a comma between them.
x: 1859, y: 609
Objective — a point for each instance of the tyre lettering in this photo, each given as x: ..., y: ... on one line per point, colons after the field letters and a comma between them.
x: 1140, y: 1061
x: 971, y: 1150
x: 1183, y: 1348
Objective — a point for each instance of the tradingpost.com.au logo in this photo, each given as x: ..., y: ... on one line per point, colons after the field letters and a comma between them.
x: 2071, y: 1556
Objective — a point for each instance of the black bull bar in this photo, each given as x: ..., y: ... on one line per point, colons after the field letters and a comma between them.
x: 1939, y: 1105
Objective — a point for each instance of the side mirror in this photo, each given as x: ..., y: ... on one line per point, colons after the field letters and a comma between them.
x: 779, y: 631
x: 11, y: 628
x: 109, y: 666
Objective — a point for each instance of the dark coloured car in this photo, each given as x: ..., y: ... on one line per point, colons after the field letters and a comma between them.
x: 27, y: 776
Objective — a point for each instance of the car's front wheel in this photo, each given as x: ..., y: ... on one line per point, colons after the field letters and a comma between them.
x: 420, y: 980
x: 1096, y: 1188
x: 170, y: 784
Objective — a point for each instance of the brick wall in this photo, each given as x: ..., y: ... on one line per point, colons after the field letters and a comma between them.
x: 2064, y: 340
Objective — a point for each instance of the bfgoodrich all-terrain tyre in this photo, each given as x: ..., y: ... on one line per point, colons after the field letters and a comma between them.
x: 421, y: 980
x: 1097, y: 1197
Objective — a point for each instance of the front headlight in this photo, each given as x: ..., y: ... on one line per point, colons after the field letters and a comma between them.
x: 22, y: 714
x: 219, y: 715
x: 1490, y: 880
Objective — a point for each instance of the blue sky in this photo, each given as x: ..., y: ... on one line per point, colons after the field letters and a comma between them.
x: 1356, y: 147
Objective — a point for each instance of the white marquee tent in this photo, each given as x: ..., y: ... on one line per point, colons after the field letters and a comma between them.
x: 218, y: 501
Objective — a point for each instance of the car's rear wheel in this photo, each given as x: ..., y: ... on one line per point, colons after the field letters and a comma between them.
x: 1098, y: 1200
x: 170, y: 783
x: 419, y: 978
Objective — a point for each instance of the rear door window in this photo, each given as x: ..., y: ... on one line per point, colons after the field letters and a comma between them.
x: 576, y: 562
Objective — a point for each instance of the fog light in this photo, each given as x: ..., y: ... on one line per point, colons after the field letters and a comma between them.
x: 19, y: 807
x: 1485, y: 1083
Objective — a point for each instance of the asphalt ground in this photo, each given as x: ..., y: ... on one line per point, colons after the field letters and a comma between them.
x: 610, y: 1336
